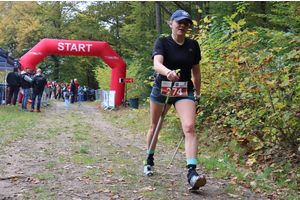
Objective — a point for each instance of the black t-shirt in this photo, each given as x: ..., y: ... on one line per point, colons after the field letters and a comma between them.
x: 177, y: 56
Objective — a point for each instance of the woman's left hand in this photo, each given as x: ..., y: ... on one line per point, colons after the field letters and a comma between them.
x: 198, y: 108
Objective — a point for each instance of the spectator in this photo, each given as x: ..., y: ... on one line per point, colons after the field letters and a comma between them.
x: 49, y: 85
x: 92, y: 94
x: 72, y: 89
x: 54, y: 89
x: 58, y: 91
x: 62, y: 85
x: 67, y: 98
x: 53, y: 95
x: 79, y: 94
x: 31, y: 73
x: 13, y: 80
x: 38, y: 84
x: 65, y: 91
x: 25, y: 82
x: 86, y: 93
x: 76, y: 89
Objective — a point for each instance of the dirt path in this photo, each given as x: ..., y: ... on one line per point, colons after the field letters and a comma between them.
x: 75, y: 154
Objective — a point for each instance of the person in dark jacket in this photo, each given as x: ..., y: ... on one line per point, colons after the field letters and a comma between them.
x: 25, y: 82
x: 13, y: 80
x: 38, y: 85
x: 72, y: 91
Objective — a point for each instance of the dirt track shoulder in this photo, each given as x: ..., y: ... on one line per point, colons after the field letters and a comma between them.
x: 73, y: 153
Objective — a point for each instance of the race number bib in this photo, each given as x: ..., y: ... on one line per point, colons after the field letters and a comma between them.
x: 179, y: 89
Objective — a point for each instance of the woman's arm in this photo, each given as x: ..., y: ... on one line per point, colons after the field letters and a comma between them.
x: 161, y: 69
x: 197, y: 78
x: 197, y: 84
x: 158, y: 61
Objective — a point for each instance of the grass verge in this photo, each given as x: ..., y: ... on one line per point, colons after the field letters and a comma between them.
x: 222, y: 156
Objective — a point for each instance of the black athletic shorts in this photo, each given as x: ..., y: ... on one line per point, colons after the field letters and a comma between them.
x: 158, y: 98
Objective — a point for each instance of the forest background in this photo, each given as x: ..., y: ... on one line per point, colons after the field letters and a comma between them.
x: 250, y: 59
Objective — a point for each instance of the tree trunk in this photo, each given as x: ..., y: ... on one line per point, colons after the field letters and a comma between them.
x: 263, y: 11
x: 285, y: 27
x: 206, y: 7
x: 197, y: 14
x: 56, y: 67
x: 158, y: 18
x: 165, y: 9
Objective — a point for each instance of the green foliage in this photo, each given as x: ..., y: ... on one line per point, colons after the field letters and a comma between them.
x: 250, y: 70
x: 103, y: 75
x: 19, y: 27
x: 138, y: 70
x: 135, y: 70
x: 251, y: 83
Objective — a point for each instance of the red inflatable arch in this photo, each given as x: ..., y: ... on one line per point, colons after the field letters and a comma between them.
x: 80, y: 48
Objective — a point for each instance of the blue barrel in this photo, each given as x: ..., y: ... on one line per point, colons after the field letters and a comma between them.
x: 134, y: 103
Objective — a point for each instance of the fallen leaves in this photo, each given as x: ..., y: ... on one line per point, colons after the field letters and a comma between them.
x: 253, y: 183
x: 115, y: 197
x: 243, y: 141
x: 149, y: 188
x: 33, y: 181
x: 233, y: 195
x: 257, y: 190
x: 106, y: 191
x: 251, y: 161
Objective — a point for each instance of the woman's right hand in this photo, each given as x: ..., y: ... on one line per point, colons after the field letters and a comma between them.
x: 172, y: 76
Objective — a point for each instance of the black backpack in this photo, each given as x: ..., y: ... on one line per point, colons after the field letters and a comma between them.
x: 39, y: 82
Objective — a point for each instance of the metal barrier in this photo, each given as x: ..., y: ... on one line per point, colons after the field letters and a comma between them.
x: 98, y: 95
x: 4, y: 92
x: 45, y: 97
x: 1, y: 92
x: 108, y: 100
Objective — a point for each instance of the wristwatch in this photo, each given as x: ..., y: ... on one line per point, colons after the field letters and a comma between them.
x: 197, y: 96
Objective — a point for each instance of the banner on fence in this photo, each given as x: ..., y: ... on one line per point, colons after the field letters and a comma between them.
x: 109, y: 99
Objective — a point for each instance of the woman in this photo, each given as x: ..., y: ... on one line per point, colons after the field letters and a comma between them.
x: 169, y: 54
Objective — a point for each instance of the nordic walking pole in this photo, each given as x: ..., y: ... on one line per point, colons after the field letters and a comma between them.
x: 159, y: 121
x: 175, y: 152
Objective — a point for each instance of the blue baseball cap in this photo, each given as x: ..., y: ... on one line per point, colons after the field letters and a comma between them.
x: 181, y: 14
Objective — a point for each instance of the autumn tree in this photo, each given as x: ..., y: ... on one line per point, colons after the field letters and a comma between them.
x: 20, y: 27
